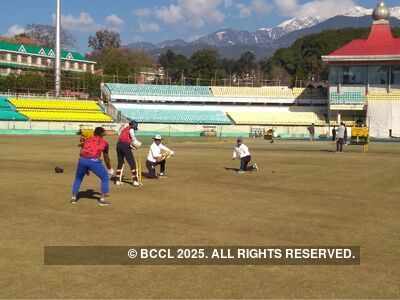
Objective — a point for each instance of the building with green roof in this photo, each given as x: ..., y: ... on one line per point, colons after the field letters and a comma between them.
x: 16, y: 58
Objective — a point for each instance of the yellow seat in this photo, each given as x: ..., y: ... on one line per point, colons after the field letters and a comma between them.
x: 276, y: 118
x: 60, y: 110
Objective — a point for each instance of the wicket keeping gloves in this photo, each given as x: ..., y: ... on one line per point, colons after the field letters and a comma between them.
x: 136, y: 144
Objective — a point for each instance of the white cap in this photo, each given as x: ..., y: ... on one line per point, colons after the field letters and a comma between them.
x: 157, y: 137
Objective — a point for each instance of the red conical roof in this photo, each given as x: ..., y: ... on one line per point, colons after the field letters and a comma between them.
x: 380, y: 45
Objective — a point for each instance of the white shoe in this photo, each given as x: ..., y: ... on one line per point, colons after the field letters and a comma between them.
x: 255, y: 167
x: 103, y: 202
x: 74, y: 200
x: 136, y: 183
x: 118, y: 182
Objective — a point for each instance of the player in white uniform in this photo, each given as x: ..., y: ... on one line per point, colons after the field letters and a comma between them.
x: 242, y: 152
x: 158, y: 154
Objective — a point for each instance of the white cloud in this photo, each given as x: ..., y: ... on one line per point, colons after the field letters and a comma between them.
x: 171, y: 14
x: 195, y: 13
x: 148, y: 27
x: 322, y: 8
x: 244, y: 10
x: 14, y: 30
x: 259, y: 7
x: 142, y: 12
x: 114, y: 22
x: 84, y: 22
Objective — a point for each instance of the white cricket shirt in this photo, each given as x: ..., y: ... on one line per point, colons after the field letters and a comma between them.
x: 241, y: 151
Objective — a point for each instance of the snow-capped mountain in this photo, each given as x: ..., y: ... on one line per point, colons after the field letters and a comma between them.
x: 358, y: 11
x: 262, y: 36
x: 266, y: 40
x: 290, y: 25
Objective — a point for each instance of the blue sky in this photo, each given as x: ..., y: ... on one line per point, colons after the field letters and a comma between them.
x: 158, y: 20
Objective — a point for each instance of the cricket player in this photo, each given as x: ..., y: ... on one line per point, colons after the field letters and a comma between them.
x: 340, y: 137
x: 158, y: 154
x: 242, y: 151
x: 89, y: 160
x: 126, y: 143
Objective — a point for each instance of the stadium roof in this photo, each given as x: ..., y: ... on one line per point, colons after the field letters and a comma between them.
x: 380, y: 46
x: 41, y: 51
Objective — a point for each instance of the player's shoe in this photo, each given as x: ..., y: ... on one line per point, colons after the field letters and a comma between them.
x: 118, y: 182
x: 136, y: 183
x: 103, y: 202
x: 74, y: 200
x: 241, y: 172
x: 256, y: 167
x: 163, y: 174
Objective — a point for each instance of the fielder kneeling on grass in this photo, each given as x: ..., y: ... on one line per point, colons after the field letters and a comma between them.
x: 242, y: 151
x: 158, y: 155
x: 92, y: 149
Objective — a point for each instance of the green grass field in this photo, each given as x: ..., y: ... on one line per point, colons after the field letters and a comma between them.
x: 305, y: 194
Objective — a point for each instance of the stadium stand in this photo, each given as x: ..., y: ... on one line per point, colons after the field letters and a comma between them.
x: 60, y: 110
x: 375, y: 94
x: 347, y: 97
x: 158, y: 90
x: 243, y: 92
x: 175, y: 116
x: 8, y: 113
x: 267, y: 92
x: 277, y: 118
x: 308, y: 93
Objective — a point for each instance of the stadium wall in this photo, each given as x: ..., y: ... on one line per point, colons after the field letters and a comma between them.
x: 167, y: 130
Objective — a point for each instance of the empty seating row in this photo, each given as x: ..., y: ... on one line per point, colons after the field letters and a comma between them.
x: 347, y: 97
x: 67, y: 116
x: 176, y: 116
x: 383, y: 94
x: 8, y: 113
x: 54, y: 104
x: 277, y: 118
x: 60, y: 110
x: 264, y: 92
x: 307, y: 93
x: 268, y: 92
x: 158, y: 90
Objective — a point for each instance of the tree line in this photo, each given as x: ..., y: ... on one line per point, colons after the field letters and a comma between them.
x: 299, y: 62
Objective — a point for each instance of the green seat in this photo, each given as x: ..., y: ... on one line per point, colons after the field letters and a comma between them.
x: 8, y: 112
x: 166, y: 116
x: 347, y: 97
x: 158, y: 90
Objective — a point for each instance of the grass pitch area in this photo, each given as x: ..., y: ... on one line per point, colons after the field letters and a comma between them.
x: 304, y: 195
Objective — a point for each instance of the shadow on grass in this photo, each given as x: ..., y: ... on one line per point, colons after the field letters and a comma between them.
x: 329, y: 151
x: 232, y: 169
x: 89, y: 195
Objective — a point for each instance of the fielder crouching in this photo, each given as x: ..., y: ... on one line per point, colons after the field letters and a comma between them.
x: 158, y: 154
x: 242, y: 151
x: 126, y: 143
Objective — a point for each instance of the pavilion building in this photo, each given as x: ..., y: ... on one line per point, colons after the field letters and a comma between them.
x: 364, y: 79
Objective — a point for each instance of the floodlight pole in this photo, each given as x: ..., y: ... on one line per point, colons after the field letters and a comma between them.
x: 57, y: 76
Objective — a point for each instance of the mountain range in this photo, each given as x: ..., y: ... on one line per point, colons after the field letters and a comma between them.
x: 231, y: 43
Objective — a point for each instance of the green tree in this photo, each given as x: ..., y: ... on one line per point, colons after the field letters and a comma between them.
x: 46, y: 35
x: 247, y: 63
x: 122, y: 62
x: 177, y: 66
x: 303, y: 61
x: 205, y: 65
x: 104, y: 39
